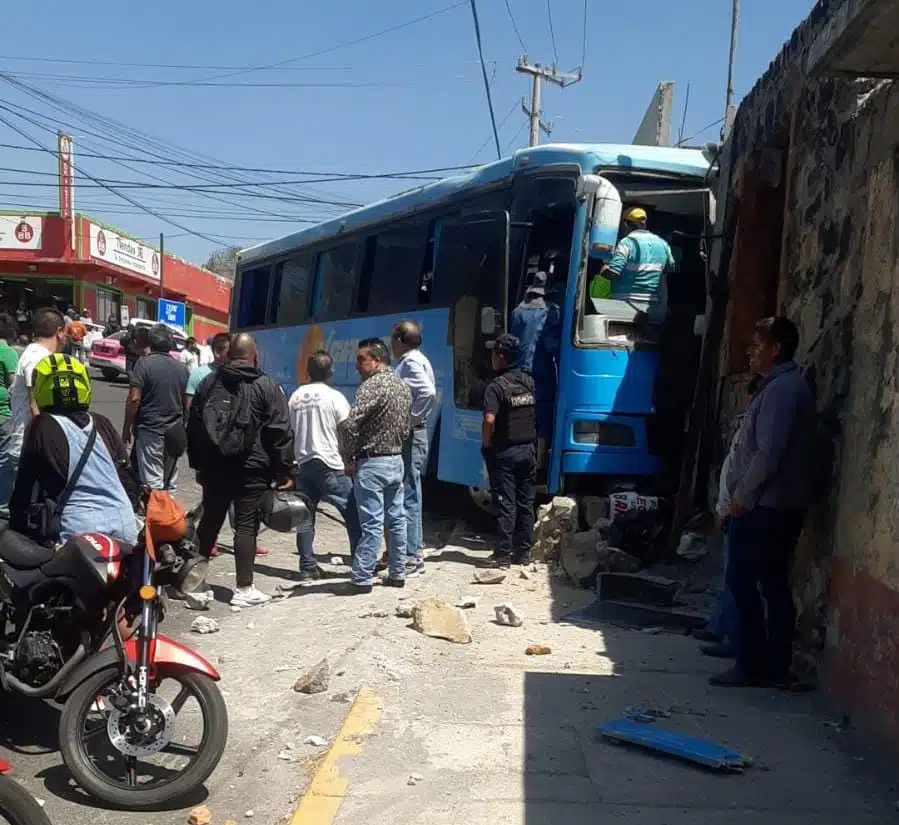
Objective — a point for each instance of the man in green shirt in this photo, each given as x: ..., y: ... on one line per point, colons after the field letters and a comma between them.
x: 9, y: 361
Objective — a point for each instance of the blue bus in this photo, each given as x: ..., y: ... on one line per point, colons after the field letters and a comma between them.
x: 455, y: 255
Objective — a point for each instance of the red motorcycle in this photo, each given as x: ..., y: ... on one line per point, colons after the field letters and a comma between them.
x: 80, y: 627
x: 17, y: 806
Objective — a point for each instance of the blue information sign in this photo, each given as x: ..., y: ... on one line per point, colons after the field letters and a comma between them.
x: 172, y: 312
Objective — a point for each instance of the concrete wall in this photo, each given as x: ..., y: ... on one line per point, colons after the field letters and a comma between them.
x: 827, y: 150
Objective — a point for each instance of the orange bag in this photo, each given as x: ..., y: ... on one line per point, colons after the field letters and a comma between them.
x: 165, y: 520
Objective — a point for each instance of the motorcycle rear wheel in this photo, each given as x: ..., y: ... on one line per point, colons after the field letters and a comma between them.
x: 72, y: 745
x: 17, y: 806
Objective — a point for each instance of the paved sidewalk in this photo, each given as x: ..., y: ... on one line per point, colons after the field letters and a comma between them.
x: 450, y: 734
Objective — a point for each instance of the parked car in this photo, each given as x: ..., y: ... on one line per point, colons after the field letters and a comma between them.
x: 108, y: 354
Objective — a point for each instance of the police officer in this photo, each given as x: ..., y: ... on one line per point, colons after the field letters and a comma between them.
x: 507, y: 435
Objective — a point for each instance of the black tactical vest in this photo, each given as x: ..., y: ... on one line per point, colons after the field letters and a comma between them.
x: 516, y: 421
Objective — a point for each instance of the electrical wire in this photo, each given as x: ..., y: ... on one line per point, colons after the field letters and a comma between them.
x: 344, y: 45
x: 524, y: 125
x: 487, y: 140
x: 552, y: 31
x: 515, y: 26
x: 703, y: 129
x: 477, y: 35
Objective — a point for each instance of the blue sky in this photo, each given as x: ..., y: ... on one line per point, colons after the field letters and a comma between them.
x: 412, y: 99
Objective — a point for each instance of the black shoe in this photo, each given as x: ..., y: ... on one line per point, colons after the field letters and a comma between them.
x: 706, y: 635
x: 521, y: 559
x: 721, y: 650
x: 388, y: 582
x: 735, y: 677
x: 314, y: 574
x: 353, y: 589
x: 503, y: 560
x: 382, y: 565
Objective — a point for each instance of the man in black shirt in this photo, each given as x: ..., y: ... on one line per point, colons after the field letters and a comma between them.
x: 155, y: 404
x: 507, y: 437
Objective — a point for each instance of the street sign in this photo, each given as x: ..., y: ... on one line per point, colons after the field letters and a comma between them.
x: 172, y: 313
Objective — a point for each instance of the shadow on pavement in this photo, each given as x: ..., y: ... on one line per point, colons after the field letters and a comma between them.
x: 30, y: 726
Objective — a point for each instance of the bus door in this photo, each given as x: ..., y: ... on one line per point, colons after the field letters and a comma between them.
x: 471, y: 277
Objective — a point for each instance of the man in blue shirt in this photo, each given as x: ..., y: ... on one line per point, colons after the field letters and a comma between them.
x: 639, y: 260
x: 537, y: 323
x: 769, y: 484
x: 220, y: 344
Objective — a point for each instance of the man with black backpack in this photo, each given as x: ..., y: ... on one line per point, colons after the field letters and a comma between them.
x: 240, y: 443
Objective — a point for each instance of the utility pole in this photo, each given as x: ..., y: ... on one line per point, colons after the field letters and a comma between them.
x: 538, y: 74
x: 161, y: 266
x: 729, y: 111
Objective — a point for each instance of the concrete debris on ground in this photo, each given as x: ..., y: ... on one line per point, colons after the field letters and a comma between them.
x: 199, y: 601
x: 467, y: 604
x: 440, y: 620
x: 555, y: 521
x: 315, y: 680
x: 594, y: 508
x: 507, y: 615
x: 345, y: 697
x: 316, y: 741
x: 203, y: 624
x: 487, y: 576
x: 337, y: 561
x: 538, y: 650
x: 692, y: 546
x: 588, y: 553
x: 414, y: 779
x: 404, y: 610
x: 200, y: 816
x: 374, y: 614
x: 250, y: 814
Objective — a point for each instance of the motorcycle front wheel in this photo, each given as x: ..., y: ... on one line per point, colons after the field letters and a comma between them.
x: 17, y: 806
x: 128, y: 761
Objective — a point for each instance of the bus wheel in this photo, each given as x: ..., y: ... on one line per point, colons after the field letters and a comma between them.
x: 477, y: 507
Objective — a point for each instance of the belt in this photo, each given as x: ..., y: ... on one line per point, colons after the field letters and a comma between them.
x: 378, y: 455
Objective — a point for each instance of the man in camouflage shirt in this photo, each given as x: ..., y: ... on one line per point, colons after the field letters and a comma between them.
x: 371, y: 444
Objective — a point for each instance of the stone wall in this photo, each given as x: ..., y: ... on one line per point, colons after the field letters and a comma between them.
x: 839, y: 280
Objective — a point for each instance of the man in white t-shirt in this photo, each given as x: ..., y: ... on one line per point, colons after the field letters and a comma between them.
x: 48, y: 329
x: 316, y: 410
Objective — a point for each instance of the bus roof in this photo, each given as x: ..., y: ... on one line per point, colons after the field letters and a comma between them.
x: 681, y: 162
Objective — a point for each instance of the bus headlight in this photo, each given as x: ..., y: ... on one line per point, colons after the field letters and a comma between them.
x: 604, y: 434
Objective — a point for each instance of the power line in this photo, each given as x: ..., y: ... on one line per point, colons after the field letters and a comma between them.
x: 515, y: 137
x: 552, y: 31
x: 477, y: 35
x: 515, y: 26
x: 344, y: 45
x: 490, y: 137
x: 703, y: 129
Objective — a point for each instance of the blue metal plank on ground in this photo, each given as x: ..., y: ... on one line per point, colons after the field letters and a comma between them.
x: 691, y: 748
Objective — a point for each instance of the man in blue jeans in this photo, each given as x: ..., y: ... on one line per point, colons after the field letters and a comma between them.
x: 770, y: 489
x: 371, y: 445
x: 316, y: 411
x: 415, y: 369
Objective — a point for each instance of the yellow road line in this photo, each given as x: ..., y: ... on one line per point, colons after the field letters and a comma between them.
x: 321, y: 802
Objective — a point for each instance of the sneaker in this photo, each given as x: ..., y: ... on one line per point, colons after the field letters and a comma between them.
x: 415, y: 567
x: 314, y: 574
x: 719, y: 650
x: 497, y: 560
x: 389, y: 582
x: 353, y: 589
x: 521, y: 559
x: 249, y: 597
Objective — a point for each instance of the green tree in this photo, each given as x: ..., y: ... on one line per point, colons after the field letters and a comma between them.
x: 223, y: 261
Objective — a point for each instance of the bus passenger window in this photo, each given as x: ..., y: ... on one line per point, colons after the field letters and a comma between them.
x: 392, y: 268
x: 254, y: 287
x: 332, y: 298
x: 290, y: 294
x: 426, y: 281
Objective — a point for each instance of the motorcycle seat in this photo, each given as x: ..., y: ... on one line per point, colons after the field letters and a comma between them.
x: 21, y: 552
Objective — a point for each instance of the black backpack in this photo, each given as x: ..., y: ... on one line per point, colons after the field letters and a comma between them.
x: 228, y: 421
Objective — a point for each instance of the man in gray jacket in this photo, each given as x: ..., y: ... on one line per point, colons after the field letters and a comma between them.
x: 769, y: 484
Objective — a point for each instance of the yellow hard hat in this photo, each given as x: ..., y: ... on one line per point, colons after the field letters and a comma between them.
x: 61, y: 382
x: 635, y: 214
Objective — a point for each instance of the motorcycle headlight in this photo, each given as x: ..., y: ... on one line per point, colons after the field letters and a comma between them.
x: 192, y: 575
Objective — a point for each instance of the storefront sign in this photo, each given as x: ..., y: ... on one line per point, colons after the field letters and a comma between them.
x: 67, y: 184
x: 172, y: 313
x: 123, y: 252
x: 20, y: 232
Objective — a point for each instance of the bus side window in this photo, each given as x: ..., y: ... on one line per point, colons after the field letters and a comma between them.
x: 335, y: 275
x: 390, y: 274
x: 426, y: 279
x: 290, y: 291
x: 254, y: 289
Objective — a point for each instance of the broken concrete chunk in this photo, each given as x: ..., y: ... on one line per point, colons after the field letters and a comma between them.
x: 414, y: 779
x: 594, y: 508
x: 203, y: 624
x: 200, y: 816
x: 487, y: 576
x: 440, y: 620
x: 538, y: 650
x: 315, y: 680
x: 692, y: 546
x: 554, y: 522
x: 404, y: 611
x: 315, y: 741
x: 467, y: 604
x: 199, y: 601
x: 507, y: 615
x: 337, y: 561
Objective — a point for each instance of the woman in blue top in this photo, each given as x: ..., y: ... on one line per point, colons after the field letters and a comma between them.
x: 54, y: 444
